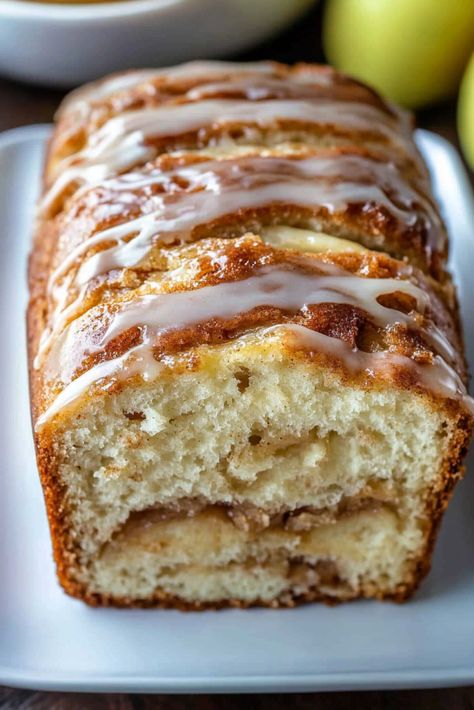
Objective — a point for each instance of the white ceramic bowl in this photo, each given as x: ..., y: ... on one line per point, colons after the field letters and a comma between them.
x: 65, y: 45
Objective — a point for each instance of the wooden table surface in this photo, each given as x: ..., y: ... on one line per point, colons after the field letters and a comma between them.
x: 21, y: 105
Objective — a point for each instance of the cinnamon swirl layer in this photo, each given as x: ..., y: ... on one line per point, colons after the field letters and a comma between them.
x: 304, y: 551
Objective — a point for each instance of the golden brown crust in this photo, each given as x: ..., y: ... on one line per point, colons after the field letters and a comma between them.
x: 220, y: 255
x: 74, y: 126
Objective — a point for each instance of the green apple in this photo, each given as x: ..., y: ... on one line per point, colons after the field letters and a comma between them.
x: 413, y: 51
x: 466, y: 113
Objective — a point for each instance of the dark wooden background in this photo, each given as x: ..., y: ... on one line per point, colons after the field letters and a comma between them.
x: 20, y: 105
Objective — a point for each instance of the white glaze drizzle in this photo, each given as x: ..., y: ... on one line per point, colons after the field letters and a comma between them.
x: 102, y: 90
x: 275, y: 286
x: 227, y: 186
x: 437, y: 377
x: 178, y: 219
x: 136, y: 361
x: 256, y: 88
x: 350, y: 290
x: 290, y: 290
x: 122, y: 141
x: 224, y: 187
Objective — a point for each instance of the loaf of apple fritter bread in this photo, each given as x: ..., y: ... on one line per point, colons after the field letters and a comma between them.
x: 246, y: 366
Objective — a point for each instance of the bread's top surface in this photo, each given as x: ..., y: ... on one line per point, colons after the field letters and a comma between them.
x: 349, y: 136
x: 159, y: 230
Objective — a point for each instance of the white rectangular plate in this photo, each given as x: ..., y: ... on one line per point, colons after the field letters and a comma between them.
x: 50, y: 641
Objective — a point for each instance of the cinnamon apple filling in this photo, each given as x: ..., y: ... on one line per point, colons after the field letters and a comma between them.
x: 202, y: 551
x: 249, y: 518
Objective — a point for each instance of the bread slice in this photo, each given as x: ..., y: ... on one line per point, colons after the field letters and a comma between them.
x: 246, y: 369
